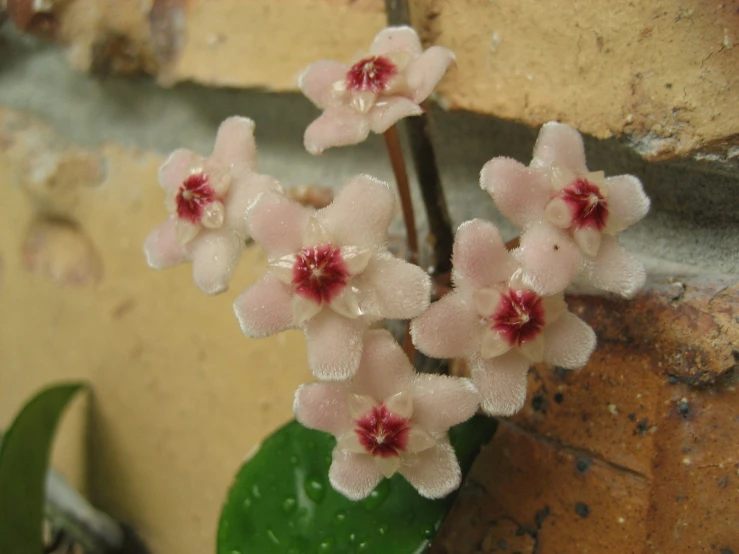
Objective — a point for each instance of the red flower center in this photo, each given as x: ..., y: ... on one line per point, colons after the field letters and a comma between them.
x: 519, y: 317
x: 319, y: 273
x: 370, y: 74
x: 382, y: 433
x: 194, y: 195
x: 588, y: 205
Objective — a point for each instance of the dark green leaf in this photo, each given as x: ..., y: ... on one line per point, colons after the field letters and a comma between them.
x: 281, y: 501
x: 24, y: 460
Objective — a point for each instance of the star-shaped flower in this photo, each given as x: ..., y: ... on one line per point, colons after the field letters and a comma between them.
x: 207, y: 199
x: 389, y: 419
x: 570, y: 215
x: 330, y: 274
x: 498, y: 323
x: 376, y: 91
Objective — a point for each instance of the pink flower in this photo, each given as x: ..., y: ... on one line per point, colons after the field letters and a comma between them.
x: 498, y: 323
x: 207, y: 199
x: 377, y: 90
x: 570, y: 216
x: 389, y: 419
x: 330, y: 274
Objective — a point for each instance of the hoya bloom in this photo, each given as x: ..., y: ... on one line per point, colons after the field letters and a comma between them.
x: 570, y: 215
x: 498, y: 323
x: 389, y: 419
x: 376, y: 91
x: 207, y: 199
x: 330, y: 274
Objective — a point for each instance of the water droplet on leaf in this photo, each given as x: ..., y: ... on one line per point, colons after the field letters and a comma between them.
x: 377, y: 496
x: 314, y: 489
x: 327, y: 545
x: 289, y: 505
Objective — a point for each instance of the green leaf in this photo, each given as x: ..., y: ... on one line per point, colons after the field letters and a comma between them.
x: 24, y: 460
x: 282, y: 502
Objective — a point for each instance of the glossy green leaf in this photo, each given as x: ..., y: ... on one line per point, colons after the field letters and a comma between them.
x: 282, y: 502
x: 24, y: 460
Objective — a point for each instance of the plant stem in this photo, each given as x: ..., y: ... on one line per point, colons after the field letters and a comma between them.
x: 394, y: 150
x: 424, y: 162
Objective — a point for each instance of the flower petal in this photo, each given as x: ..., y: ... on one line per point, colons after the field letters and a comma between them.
x: 242, y: 194
x: 434, y: 472
x: 384, y: 369
x: 562, y: 144
x: 387, y: 466
x: 360, y: 213
x: 615, y: 270
x: 501, y: 382
x: 175, y: 169
x: 323, y: 406
x: 439, y: 402
x: 215, y: 255
x: 277, y: 224
x: 392, y: 289
x: 346, y: 304
x: 550, y: 259
x: 387, y: 113
x: 264, y: 308
x: 520, y: 193
x: 397, y: 38
x: 317, y: 81
x: 479, y: 256
x: 162, y: 248
x: 626, y: 201
x: 400, y: 403
x: 337, y: 126
x: 492, y: 344
x: 349, y: 442
x: 303, y: 309
x: 448, y: 329
x: 568, y: 342
x: 353, y: 475
x: 334, y: 345
x: 355, y: 258
x: 419, y: 440
x: 425, y: 72
x: 588, y: 239
x: 235, y: 146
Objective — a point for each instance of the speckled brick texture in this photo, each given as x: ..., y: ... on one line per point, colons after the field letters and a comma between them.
x: 635, y: 453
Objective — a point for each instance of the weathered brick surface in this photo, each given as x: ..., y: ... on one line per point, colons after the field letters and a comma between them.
x: 661, y: 75
x: 637, y: 452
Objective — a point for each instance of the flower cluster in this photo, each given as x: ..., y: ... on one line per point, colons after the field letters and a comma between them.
x: 331, y: 275
x: 570, y: 216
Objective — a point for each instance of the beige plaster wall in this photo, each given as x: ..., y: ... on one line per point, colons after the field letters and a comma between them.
x: 179, y: 396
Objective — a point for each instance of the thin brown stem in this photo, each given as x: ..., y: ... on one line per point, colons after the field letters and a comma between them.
x: 392, y: 142
x: 513, y: 243
x: 408, y: 347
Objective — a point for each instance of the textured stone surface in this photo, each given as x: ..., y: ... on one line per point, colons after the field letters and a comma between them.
x: 634, y: 453
x: 661, y: 76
